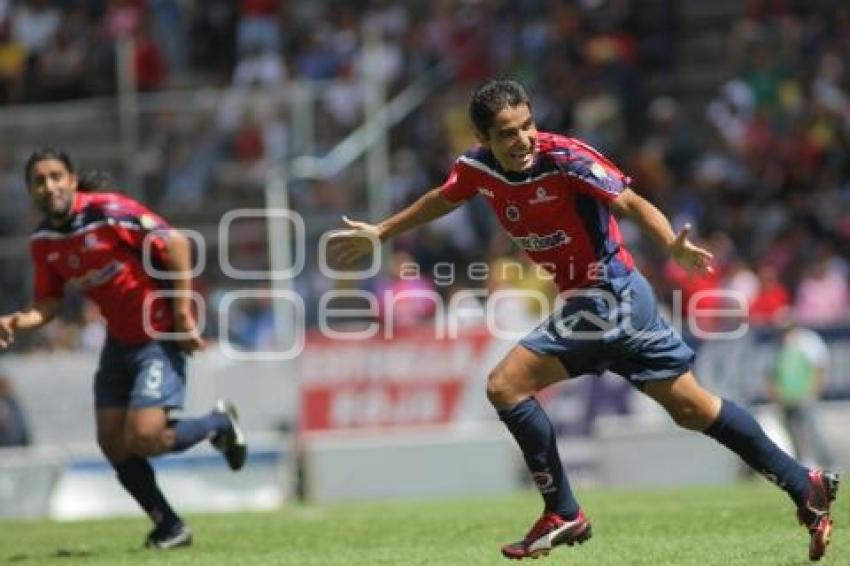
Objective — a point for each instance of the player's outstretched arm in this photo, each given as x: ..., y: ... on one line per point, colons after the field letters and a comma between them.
x: 653, y: 222
x: 36, y: 315
x: 350, y: 245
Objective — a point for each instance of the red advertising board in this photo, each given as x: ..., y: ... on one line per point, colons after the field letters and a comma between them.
x: 413, y: 378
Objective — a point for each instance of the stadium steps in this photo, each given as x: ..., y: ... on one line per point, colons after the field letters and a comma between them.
x: 87, y: 128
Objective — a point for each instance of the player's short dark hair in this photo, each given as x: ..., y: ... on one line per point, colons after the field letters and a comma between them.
x: 493, y: 96
x: 46, y: 153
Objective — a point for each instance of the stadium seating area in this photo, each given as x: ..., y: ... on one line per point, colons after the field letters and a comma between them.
x: 722, y: 125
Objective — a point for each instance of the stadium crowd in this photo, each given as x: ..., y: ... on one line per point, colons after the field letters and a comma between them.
x: 762, y: 172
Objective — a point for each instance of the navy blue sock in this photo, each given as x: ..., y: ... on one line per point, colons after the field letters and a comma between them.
x: 188, y: 432
x: 738, y: 431
x: 535, y: 435
x: 137, y: 477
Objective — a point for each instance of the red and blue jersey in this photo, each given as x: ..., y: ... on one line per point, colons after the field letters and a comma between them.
x: 99, y: 252
x: 557, y: 212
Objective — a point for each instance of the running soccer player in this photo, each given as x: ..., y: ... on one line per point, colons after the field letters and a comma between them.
x: 555, y: 196
x: 94, y: 242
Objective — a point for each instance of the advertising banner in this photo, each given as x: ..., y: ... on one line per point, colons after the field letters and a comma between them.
x: 413, y: 378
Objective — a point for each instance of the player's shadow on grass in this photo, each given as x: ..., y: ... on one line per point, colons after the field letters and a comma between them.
x: 58, y: 553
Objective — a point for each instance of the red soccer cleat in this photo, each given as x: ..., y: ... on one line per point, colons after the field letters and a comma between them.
x: 549, y: 531
x: 815, y: 514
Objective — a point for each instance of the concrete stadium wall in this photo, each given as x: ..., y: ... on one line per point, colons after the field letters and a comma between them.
x: 56, y: 392
x: 440, y: 461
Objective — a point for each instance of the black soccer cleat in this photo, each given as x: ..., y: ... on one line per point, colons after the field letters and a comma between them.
x: 815, y: 514
x: 231, y: 442
x: 168, y: 537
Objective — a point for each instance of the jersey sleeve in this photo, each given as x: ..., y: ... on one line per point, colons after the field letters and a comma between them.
x: 133, y: 223
x: 592, y: 173
x: 458, y: 186
x: 47, y: 283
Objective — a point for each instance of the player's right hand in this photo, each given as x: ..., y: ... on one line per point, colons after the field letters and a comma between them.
x: 190, y: 340
x: 7, y: 331
x: 355, y: 243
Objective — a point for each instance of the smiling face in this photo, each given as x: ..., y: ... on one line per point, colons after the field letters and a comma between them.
x: 52, y: 186
x: 512, y: 137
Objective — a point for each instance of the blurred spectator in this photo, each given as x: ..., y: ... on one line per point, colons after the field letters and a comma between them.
x: 771, y: 299
x: 149, y: 63
x: 319, y: 58
x: 733, y: 112
x: 822, y: 297
x: 258, y: 26
x: 61, y: 69
x: 212, y: 34
x: 123, y: 17
x: 34, y: 23
x: 13, y: 59
x: 168, y: 29
x: 344, y: 99
x: 796, y: 385
x: 741, y: 280
x: 252, y: 324
x: 14, y: 430
x: 259, y: 67
x: 406, y: 298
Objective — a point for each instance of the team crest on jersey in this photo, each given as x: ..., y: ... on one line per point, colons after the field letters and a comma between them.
x: 512, y: 213
x: 542, y: 196
x: 73, y: 261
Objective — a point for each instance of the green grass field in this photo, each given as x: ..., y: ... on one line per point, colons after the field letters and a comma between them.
x: 748, y: 524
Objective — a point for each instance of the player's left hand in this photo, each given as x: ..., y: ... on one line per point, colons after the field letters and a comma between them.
x: 691, y: 257
x: 191, y: 340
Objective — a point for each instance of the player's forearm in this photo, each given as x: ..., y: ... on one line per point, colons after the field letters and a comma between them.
x: 652, y: 221
x: 36, y: 315
x: 428, y: 207
x: 180, y: 263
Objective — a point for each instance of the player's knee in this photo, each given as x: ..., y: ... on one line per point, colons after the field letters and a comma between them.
x: 689, y: 415
x: 142, y: 441
x: 113, y: 448
x: 500, y: 391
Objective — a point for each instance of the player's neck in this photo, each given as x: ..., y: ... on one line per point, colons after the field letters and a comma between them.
x: 60, y: 221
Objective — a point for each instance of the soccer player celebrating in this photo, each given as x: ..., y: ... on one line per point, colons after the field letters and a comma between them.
x: 555, y: 196
x: 94, y: 242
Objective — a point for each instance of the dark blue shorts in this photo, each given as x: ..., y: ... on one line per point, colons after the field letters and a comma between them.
x: 140, y: 375
x: 614, y: 327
